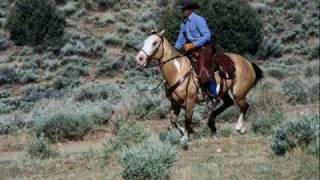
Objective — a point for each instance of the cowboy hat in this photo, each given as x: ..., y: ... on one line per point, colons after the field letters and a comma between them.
x: 188, y: 4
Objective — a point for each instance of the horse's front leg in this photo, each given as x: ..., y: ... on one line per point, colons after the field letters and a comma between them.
x: 175, y: 111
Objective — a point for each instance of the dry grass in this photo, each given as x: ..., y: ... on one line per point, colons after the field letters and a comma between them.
x: 236, y: 157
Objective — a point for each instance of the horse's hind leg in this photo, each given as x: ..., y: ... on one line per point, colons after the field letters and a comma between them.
x: 243, y: 106
x: 227, y: 102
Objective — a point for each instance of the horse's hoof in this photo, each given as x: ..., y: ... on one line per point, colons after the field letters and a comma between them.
x: 185, y: 147
x: 241, y: 131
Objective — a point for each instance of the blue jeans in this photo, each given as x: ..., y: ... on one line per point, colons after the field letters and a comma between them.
x: 212, y: 88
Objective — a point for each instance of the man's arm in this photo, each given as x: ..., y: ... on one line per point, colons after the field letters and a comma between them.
x: 181, y: 41
x: 203, y: 28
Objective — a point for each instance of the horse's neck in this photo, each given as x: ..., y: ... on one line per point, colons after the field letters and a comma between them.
x: 173, y: 70
x: 169, y: 51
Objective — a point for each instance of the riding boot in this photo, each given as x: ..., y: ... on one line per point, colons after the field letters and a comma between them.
x: 213, y: 91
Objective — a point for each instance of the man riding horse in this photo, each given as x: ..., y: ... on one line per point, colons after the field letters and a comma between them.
x: 194, y: 37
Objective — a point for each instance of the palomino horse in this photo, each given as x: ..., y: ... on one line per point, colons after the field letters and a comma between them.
x: 183, y: 87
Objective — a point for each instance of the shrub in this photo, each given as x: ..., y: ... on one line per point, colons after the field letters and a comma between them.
x: 10, y: 124
x: 128, y: 135
x: 315, y: 92
x: 112, y: 39
x: 8, y: 75
x: 32, y: 93
x: 41, y: 149
x: 173, y: 136
x: 61, y: 82
x: 93, y: 92
x: 105, y: 21
x: 294, y: 89
x: 148, y: 106
x: 240, y: 33
x: 312, y: 70
x: 295, y: 16
x: 106, y: 4
x: 109, y: 68
x: 150, y: 159
x: 28, y: 76
x: 60, y: 120
x: 276, y: 73
x: 32, y: 22
x: 303, y: 132
x: 69, y: 9
x: 226, y: 131
x: 87, y: 46
x: 72, y: 71
x: 265, y: 124
x: 269, y: 48
x: 203, y: 132
x: 4, y: 108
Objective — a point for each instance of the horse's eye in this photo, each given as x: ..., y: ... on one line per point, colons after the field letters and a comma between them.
x: 155, y: 43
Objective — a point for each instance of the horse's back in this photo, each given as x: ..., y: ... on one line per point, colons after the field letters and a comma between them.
x: 245, y: 74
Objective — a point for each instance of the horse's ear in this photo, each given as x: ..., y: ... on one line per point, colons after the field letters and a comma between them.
x: 153, y: 31
x: 162, y: 32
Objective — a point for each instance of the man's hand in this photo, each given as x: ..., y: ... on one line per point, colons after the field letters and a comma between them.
x: 188, y: 47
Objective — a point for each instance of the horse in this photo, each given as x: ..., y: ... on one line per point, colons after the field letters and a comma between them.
x: 183, y: 84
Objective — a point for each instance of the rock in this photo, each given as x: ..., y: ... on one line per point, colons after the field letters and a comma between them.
x: 4, y: 44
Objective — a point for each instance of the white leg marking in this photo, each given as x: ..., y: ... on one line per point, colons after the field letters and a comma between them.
x: 184, y: 140
x: 239, y: 125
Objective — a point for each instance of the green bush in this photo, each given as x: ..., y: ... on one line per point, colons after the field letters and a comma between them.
x: 303, y: 132
x: 94, y: 92
x: 265, y: 124
x: 235, y: 25
x: 203, y: 132
x: 148, y: 106
x: 41, y: 149
x: 276, y: 73
x: 8, y: 75
x: 294, y: 89
x: 226, y: 131
x: 105, y: 21
x: 151, y: 159
x: 269, y: 48
x: 31, y: 22
x: 87, y: 46
x: 61, y: 82
x: 8, y: 125
x: 128, y: 135
x: 312, y: 70
x: 173, y: 136
x: 109, y: 67
x: 62, y: 120
x: 73, y: 72
x: 112, y: 39
x: 315, y: 92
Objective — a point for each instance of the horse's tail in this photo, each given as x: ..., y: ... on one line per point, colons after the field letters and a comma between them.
x: 259, y: 74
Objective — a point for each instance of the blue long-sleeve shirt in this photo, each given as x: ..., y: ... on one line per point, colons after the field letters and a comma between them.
x: 195, y: 30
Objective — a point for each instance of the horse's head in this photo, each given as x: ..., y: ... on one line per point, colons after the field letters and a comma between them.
x: 151, y: 49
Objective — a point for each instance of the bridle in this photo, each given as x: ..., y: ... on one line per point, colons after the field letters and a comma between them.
x: 169, y: 89
x: 151, y: 57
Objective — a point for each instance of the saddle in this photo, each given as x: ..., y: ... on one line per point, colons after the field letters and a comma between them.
x: 221, y: 63
x: 225, y: 65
